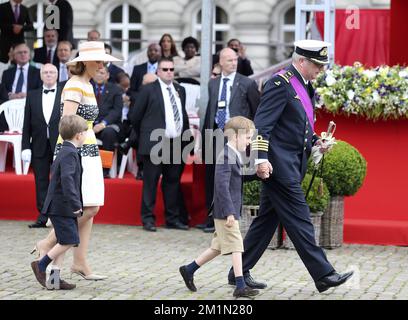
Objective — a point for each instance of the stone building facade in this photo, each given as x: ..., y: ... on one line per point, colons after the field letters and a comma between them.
x: 264, y: 26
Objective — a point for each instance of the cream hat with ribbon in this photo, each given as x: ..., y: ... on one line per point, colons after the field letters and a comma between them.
x: 92, y: 51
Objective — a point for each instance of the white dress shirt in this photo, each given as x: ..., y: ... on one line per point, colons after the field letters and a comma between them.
x: 48, y: 101
x: 230, y: 83
x: 171, y: 130
x: 152, y: 67
x: 25, y: 72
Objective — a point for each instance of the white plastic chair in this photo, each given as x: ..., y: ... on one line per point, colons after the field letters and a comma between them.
x: 14, y: 114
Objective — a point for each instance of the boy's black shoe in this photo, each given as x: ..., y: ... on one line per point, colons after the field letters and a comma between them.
x: 245, y: 292
x: 188, y: 280
x: 66, y: 286
x: 249, y: 281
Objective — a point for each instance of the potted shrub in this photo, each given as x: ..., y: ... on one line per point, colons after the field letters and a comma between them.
x: 344, y: 170
x: 250, y: 208
x: 318, y: 200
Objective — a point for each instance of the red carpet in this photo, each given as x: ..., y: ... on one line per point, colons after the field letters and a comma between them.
x: 122, y: 199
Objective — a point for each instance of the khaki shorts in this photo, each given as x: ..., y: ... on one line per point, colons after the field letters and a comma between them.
x: 227, y: 239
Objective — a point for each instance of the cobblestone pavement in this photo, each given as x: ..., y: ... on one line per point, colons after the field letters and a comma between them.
x: 144, y: 266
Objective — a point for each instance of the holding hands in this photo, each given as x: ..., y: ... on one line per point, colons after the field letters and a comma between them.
x: 264, y: 170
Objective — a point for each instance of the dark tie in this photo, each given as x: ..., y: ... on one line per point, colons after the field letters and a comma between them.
x: 222, y: 112
x: 20, y: 81
x: 176, y: 113
x: 17, y: 12
x: 50, y: 90
x: 99, y: 93
x: 48, y: 56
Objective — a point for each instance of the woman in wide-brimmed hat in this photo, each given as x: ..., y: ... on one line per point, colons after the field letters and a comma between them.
x: 78, y: 98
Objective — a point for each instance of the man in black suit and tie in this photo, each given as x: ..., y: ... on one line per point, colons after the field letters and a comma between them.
x: 153, y: 54
x: 230, y: 95
x: 113, y: 69
x: 40, y: 133
x: 64, y: 51
x: 65, y: 32
x: 17, y: 81
x: 161, y: 110
x: 14, y: 21
x: 108, y: 123
x: 48, y: 53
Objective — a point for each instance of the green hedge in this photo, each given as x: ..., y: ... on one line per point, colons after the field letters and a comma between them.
x: 318, y: 200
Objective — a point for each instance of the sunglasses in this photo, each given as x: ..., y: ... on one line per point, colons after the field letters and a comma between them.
x: 167, y: 69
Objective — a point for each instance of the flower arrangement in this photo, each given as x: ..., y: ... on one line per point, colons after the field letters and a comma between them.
x: 375, y: 93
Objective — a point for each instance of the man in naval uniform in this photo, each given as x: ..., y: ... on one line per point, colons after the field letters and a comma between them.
x: 285, y: 122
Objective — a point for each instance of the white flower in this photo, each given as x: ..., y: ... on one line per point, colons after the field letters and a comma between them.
x: 350, y: 94
x: 369, y: 74
x: 376, y: 96
x: 403, y: 74
x: 330, y: 80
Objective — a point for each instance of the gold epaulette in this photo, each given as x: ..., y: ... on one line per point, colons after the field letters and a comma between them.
x: 260, y: 144
x: 286, y: 76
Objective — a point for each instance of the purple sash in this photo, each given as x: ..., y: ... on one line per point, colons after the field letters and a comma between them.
x: 303, y: 96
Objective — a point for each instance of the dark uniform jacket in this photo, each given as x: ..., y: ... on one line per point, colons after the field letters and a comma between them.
x: 285, y: 136
x: 64, y: 192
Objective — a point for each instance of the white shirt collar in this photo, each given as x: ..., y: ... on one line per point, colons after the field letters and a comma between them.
x: 304, y: 80
x: 13, y: 4
x: 230, y: 76
x: 25, y: 67
x: 163, y: 84
x: 53, y: 87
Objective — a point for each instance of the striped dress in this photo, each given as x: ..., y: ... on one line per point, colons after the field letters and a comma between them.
x: 93, y: 187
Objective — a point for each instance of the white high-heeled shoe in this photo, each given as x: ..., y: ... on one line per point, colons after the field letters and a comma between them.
x: 91, y: 277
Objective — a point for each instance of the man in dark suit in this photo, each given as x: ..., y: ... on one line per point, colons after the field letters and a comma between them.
x: 108, y: 123
x: 161, y: 111
x: 40, y: 133
x: 17, y: 81
x: 14, y: 21
x: 285, y: 124
x: 48, y: 53
x: 114, y: 70
x: 64, y: 51
x: 153, y: 54
x: 230, y: 95
x: 65, y: 32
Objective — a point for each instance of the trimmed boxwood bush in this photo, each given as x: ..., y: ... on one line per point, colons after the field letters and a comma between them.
x: 252, y: 191
x: 318, y: 200
x: 344, y: 169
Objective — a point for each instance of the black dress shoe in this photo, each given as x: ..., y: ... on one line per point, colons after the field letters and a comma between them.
x: 150, y: 227
x: 209, y: 229
x: 245, y: 292
x: 177, y: 225
x: 139, y: 175
x: 124, y: 148
x: 332, y: 280
x: 37, y: 225
x: 249, y: 281
x: 201, y: 226
x: 188, y: 279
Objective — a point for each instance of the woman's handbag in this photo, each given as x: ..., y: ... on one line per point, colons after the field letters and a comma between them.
x: 107, y: 158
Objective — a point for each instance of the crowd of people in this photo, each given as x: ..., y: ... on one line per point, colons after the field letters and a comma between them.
x: 72, y: 101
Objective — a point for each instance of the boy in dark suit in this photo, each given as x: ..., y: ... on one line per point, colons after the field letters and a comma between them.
x: 63, y: 203
x: 227, y: 205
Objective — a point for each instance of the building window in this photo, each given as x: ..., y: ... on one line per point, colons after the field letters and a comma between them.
x: 124, y: 28
x: 288, y: 31
x: 220, y: 28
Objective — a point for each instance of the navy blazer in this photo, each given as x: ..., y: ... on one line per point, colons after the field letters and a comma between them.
x: 136, y: 79
x: 244, y: 99
x: 40, y: 56
x: 110, y: 105
x: 33, y: 81
x: 227, y: 185
x: 113, y: 72
x: 64, y: 192
x: 35, y: 127
x: 149, y: 114
x: 282, y: 121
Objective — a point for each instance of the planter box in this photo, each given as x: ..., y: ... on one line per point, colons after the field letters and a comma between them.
x: 316, y: 218
x: 331, y: 235
x: 249, y: 213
